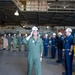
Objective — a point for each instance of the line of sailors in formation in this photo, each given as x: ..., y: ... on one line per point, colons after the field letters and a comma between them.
x: 53, y: 42
x: 61, y: 43
x: 8, y: 40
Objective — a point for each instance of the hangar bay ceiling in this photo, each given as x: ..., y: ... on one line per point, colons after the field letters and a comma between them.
x: 38, y: 12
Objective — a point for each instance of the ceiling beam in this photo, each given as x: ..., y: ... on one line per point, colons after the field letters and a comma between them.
x: 65, y: 18
x: 51, y: 17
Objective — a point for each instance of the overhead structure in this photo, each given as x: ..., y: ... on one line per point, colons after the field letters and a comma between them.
x: 46, y: 5
x: 38, y: 12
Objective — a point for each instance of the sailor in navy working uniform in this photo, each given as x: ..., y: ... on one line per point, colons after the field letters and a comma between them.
x: 53, y: 46
x: 68, y: 51
x: 46, y: 43
x: 59, y: 47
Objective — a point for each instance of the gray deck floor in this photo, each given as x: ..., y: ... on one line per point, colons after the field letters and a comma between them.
x: 15, y: 63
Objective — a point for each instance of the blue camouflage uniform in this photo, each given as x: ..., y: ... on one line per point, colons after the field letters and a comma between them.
x: 45, y: 43
x: 60, y: 47
x: 68, y: 41
x: 53, y: 47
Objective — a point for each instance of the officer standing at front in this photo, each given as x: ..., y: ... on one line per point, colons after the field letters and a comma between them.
x: 53, y: 46
x: 68, y: 50
x: 59, y: 47
x: 35, y: 51
x: 9, y: 42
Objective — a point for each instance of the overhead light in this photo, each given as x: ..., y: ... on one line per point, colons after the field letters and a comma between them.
x: 23, y: 26
x: 16, y: 13
x: 47, y: 26
x: 48, y: 7
x: 64, y: 7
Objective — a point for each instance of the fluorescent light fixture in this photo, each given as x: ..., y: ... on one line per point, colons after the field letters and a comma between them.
x: 47, y: 26
x: 64, y: 7
x: 23, y: 26
x: 16, y: 13
x: 48, y: 7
